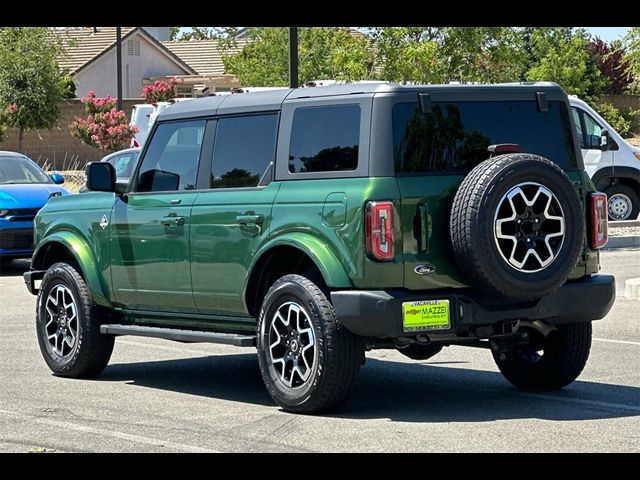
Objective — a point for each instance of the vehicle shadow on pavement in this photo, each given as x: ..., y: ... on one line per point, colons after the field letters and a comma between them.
x: 228, y: 377
x: 407, y: 392
x: 15, y: 268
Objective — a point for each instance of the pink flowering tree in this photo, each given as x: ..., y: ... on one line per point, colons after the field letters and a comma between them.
x: 105, y: 127
x: 160, y: 91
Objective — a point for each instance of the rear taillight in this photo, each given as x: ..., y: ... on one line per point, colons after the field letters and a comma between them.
x: 599, y: 225
x: 379, y: 230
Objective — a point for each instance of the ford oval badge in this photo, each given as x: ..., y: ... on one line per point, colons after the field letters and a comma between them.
x: 425, y: 269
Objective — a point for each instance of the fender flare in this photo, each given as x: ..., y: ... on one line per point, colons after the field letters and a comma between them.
x: 77, y: 246
x: 320, y: 254
x: 615, y: 172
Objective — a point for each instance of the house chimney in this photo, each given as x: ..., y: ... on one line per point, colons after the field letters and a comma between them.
x: 159, y: 33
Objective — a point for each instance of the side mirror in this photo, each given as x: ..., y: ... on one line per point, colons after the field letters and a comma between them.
x: 101, y: 177
x: 57, y: 178
x: 605, y: 140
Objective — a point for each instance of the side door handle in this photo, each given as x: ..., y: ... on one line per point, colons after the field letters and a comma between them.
x: 172, y: 221
x: 250, y: 219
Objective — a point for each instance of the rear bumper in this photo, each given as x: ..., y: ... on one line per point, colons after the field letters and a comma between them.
x: 378, y: 313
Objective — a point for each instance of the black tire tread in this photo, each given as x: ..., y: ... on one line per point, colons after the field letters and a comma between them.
x: 96, y: 348
x: 561, y: 364
x: 342, y: 363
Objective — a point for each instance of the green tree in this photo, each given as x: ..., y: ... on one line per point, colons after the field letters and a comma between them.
x: 444, y: 54
x: 203, y: 33
x: 562, y: 55
x: 323, y: 53
x: 632, y: 44
x: 30, y: 77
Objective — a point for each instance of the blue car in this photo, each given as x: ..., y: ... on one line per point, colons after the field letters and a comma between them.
x: 24, y: 189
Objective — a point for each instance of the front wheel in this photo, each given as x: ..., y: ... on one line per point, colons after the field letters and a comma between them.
x: 548, y: 363
x: 308, y: 361
x: 68, y: 325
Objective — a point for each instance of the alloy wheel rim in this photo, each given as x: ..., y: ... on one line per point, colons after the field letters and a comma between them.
x: 529, y: 227
x: 61, y: 326
x: 619, y: 206
x: 292, y: 345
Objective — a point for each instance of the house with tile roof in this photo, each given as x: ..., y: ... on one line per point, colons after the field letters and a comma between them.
x: 90, y: 57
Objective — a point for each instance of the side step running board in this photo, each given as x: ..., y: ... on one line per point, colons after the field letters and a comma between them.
x: 186, y: 336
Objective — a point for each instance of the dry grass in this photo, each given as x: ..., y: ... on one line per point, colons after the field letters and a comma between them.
x: 634, y: 141
x: 73, y: 180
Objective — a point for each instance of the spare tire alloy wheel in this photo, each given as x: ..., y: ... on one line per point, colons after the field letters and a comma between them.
x: 517, y: 227
x: 529, y: 227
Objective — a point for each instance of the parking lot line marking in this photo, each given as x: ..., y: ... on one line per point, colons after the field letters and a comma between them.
x: 579, y: 401
x: 626, y: 342
x: 108, y: 433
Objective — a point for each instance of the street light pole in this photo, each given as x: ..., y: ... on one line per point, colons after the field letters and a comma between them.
x: 293, y: 57
x: 119, y: 65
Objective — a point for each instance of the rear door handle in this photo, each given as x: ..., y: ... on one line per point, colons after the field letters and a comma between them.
x: 248, y: 219
x: 172, y: 221
x: 421, y: 227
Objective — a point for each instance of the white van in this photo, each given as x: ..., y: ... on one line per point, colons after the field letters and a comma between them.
x: 140, y: 113
x: 614, y: 171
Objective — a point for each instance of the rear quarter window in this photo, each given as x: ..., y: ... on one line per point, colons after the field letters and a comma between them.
x: 454, y: 137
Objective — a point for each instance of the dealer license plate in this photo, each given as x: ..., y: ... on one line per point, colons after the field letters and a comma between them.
x: 425, y: 315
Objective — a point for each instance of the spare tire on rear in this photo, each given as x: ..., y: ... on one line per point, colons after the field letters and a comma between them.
x: 517, y: 226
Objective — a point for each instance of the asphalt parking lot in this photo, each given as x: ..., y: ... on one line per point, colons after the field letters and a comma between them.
x: 159, y: 396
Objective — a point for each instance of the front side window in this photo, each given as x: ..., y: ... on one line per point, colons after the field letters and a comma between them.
x: 454, y: 137
x: 325, y: 139
x: 576, y: 120
x: 593, y: 131
x: 243, y: 149
x: 124, y: 163
x: 171, y: 160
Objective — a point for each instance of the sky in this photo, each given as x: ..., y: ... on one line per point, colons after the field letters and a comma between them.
x: 608, y: 33
x: 605, y: 33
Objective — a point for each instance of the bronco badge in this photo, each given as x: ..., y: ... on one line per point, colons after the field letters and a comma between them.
x: 104, y: 222
x: 424, y: 269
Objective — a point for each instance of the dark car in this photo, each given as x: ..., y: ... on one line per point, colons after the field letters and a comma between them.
x: 124, y: 162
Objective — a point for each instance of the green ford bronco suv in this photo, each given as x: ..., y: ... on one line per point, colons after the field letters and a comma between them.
x: 318, y: 223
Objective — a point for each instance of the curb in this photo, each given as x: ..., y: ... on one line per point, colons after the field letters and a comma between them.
x: 632, y: 288
x: 625, y: 223
x: 623, y: 242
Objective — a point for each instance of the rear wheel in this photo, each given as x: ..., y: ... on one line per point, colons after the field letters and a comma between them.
x: 308, y: 361
x: 68, y: 325
x: 548, y: 363
x: 622, y: 202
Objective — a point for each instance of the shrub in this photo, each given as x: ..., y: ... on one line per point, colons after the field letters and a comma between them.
x: 621, y: 121
x: 160, y: 91
x: 105, y: 127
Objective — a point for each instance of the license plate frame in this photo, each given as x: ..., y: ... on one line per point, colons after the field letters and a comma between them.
x: 426, y: 315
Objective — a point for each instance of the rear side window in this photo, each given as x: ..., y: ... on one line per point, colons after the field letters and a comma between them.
x: 243, y: 149
x: 325, y: 139
x: 171, y: 160
x: 454, y: 137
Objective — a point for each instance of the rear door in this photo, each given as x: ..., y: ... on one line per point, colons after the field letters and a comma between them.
x: 434, y: 151
x: 232, y: 218
x: 150, y: 226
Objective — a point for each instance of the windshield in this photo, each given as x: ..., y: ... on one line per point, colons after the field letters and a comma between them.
x: 21, y: 170
x: 455, y: 136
